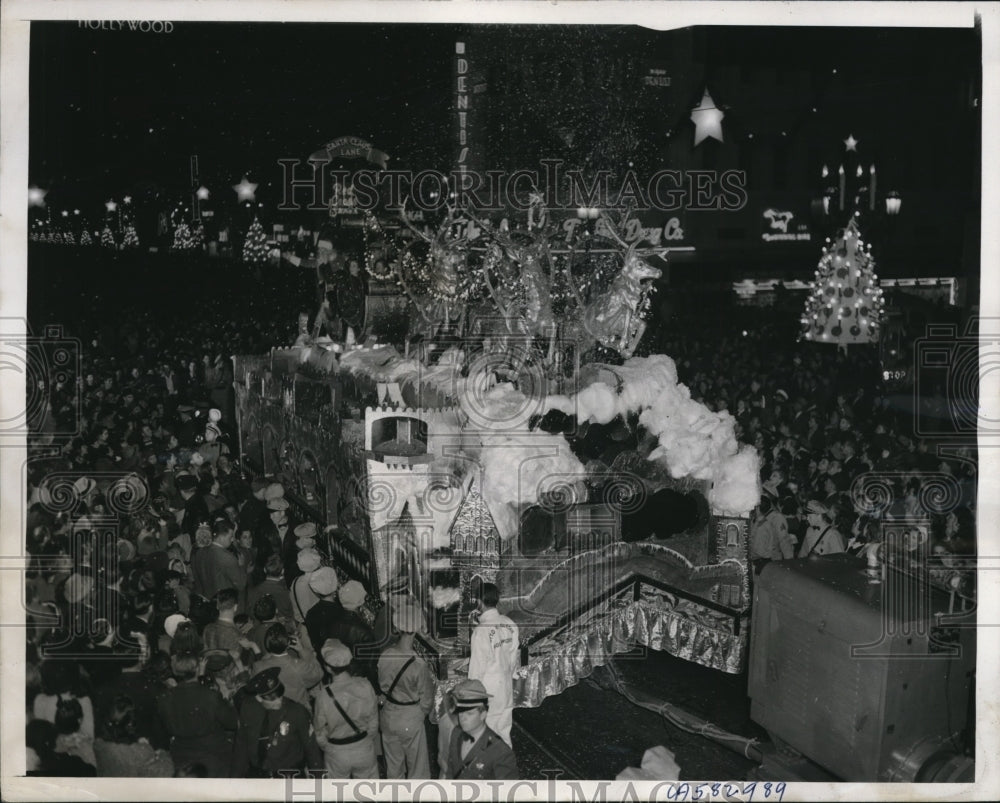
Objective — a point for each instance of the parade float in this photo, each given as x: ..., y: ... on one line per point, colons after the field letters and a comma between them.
x: 507, y: 431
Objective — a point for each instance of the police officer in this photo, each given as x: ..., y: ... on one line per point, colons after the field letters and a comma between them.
x: 346, y: 718
x: 476, y: 752
x: 407, y: 696
x: 274, y: 733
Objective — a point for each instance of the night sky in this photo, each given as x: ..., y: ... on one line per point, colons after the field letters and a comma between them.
x: 111, y: 110
x: 120, y: 112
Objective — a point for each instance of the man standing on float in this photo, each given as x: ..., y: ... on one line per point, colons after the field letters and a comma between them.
x: 494, y: 659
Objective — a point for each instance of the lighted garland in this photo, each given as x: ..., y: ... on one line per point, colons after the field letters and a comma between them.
x: 423, y: 270
x: 372, y: 225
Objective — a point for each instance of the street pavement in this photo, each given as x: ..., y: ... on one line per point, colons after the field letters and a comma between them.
x: 592, y: 732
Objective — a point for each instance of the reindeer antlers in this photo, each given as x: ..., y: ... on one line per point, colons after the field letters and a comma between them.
x: 446, y: 224
x: 410, y: 226
x: 632, y: 249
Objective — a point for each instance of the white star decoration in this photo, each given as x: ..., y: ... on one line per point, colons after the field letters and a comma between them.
x: 127, y: 200
x: 111, y: 206
x: 245, y: 190
x: 707, y: 120
x: 36, y: 196
x: 203, y: 193
x: 851, y: 143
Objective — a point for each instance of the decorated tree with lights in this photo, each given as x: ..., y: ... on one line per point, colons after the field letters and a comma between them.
x: 255, y: 244
x: 183, y: 238
x: 198, y: 235
x: 107, y: 238
x: 85, y: 238
x: 131, y: 237
x: 845, y: 303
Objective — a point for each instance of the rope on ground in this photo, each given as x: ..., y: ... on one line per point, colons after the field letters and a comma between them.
x: 687, y: 721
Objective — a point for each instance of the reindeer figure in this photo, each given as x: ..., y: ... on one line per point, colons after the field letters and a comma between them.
x: 445, y: 253
x: 527, y: 263
x: 612, y: 318
x: 446, y: 258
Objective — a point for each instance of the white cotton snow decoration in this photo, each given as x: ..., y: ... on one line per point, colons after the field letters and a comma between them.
x: 693, y: 440
x: 645, y: 379
x: 737, y: 485
x: 502, y: 408
x: 597, y: 402
x: 442, y: 597
x: 563, y: 404
x: 517, y: 467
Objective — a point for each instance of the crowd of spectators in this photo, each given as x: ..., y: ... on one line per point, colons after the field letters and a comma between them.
x: 161, y: 576
x: 197, y: 583
x: 838, y: 447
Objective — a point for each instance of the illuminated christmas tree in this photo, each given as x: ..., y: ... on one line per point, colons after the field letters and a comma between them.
x: 845, y: 301
x: 198, y: 233
x: 255, y: 244
x: 67, y: 238
x: 85, y: 238
x: 183, y: 238
x: 107, y: 238
x: 131, y: 238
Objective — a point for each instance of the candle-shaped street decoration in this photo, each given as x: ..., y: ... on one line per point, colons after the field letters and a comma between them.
x: 842, y: 186
x: 824, y: 172
x: 871, y: 188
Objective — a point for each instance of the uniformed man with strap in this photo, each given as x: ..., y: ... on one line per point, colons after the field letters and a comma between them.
x: 274, y: 733
x: 408, y: 694
x: 346, y: 718
x: 822, y: 537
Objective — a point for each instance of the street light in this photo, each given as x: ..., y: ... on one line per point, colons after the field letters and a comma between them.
x: 892, y: 203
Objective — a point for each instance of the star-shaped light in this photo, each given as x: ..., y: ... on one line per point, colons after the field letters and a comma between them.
x: 203, y: 193
x: 707, y: 120
x: 36, y: 196
x: 851, y: 143
x: 245, y: 190
x: 127, y: 199
x: 111, y: 206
